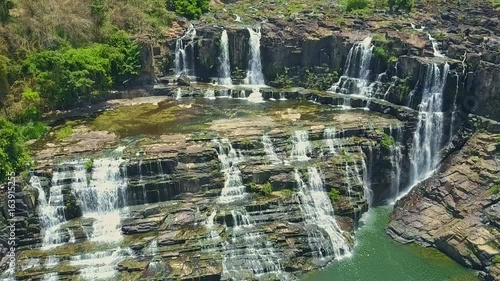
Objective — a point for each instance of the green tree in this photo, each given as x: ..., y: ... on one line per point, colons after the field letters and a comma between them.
x: 4, y: 83
x: 353, y: 5
x: 13, y: 153
x: 31, y: 103
x: 191, y: 9
x: 5, y: 7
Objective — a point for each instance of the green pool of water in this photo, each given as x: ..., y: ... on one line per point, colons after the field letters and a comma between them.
x: 378, y: 258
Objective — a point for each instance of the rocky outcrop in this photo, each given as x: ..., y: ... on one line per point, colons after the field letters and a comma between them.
x: 456, y: 210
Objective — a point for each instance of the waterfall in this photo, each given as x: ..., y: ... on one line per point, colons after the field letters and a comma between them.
x: 396, y: 160
x: 51, y: 212
x: 99, y: 265
x: 210, y: 94
x: 224, y: 63
x: 178, y: 95
x: 329, y: 136
x: 435, y: 48
x: 318, y: 212
x: 233, y: 185
x: 301, y: 147
x: 254, y: 72
x: 183, y: 62
x: 356, y: 69
x: 269, y: 149
x: 248, y: 252
x: 427, y: 141
x: 100, y: 199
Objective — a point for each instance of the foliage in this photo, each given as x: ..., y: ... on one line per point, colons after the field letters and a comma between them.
x: 439, y: 35
x: 191, y: 9
x: 98, y: 12
x: 334, y: 194
x: 386, y: 142
x: 5, y: 7
x: 4, y: 83
x: 68, y: 77
x: 380, y: 4
x: 495, y: 189
x: 353, y: 5
x: 283, y: 80
x: 318, y: 82
x: 401, y: 5
x: 287, y: 193
x: 31, y: 104
x: 89, y: 164
x: 266, y: 189
x: 496, y: 259
x: 13, y: 153
x: 33, y: 130
x: 382, y: 53
x: 346, y: 156
x: 64, y: 132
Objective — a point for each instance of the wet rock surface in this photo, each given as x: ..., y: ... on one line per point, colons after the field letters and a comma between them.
x: 456, y: 210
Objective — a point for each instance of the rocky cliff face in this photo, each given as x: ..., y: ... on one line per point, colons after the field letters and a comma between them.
x: 456, y: 210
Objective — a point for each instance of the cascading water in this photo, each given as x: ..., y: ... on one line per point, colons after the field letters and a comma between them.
x: 396, y: 159
x: 248, y: 252
x: 427, y: 141
x: 301, y: 146
x: 52, y: 211
x: 184, y: 62
x: 357, y: 70
x: 330, y: 138
x: 178, y: 95
x: 255, y: 77
x: 318, y: 212
x: 269, y: 149
x: 100, y: 199
x: 435, y: 48
x: 224, y: 63
x: 233, y: 185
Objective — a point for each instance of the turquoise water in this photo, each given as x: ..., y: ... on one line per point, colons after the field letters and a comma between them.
x: 378, y: 258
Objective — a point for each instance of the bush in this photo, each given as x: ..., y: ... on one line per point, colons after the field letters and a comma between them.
x: 191, y: 9
x: 496, y: 259
x: 33, y: 130
x: 401, y: 5
x: 283, y: 80
x: 334, y: 194
x: 266, y: 189
x: 287, y: 193
x: 69, y: 77
x: 13, y: 153
x: 353, y: 5
x: 318, y: 82
x: 495, y: 189
x: 31, y: 104
x: 382, y: 53
x: 89, y: 164
x: 386, y: 142
x: 64, y: 132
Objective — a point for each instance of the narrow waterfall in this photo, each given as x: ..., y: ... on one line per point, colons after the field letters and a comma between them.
x: 356, y: 69
x: 301, y: 146
x: 224, y: 63
x: 184, y: 53
x: 100, y: 199
x: 233, y: 185
x: 178, y: 95
x: 396, y: 160
x: 248, y: 252
x: 254, y: 72
x: 330, y: 138
x: 427, y: 141
x: 209, y: 94
x: 255, y: 77
x: 435, y: 47
x: 269, y: 149
x: 318, y: 212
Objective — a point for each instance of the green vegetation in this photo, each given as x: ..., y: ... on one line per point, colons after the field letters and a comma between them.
x: 334, y: 194
x: 353, y: 5
x: 287, y: 193
x: 13, y: 153
x: 191, y: 9
x: 401, y: 5
x: 89, y: 164
x: 266, y: 189
x: 318, y: 82
x: 386, y: 142
x: 495, y: 189
x: 346, y: 156
x: 5, y: 7
x: 439, y: 35
x: 283, y: 80
x: 496, y: 259
x: 64, y: 132
x: 69, y: 77
x: 382, y: 53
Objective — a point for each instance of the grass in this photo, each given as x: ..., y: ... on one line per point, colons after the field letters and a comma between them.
x: 334, y: 194
x: 64, y: 132
x: 386, y: 142
x: 495, y: 189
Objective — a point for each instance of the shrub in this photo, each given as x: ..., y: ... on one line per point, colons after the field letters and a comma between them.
x: 266, y: 189
x: 495, y: 189
x: 287, y: 193
x: 318, y: 82
x: 68, y: 77
x: 283, y: 80
x: 64, y: 132
x: 89, y: 164
x: 31, y: 104
x: 33, y: 130
x: 382, y: 53
x: 353, y: 5
x: 401, y: 5
x: 496, y: 259
x: 13, y: 153
x: 5, y: 7
x: 334, y: 194
x: 386, y: 142
x: 191, y: 9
